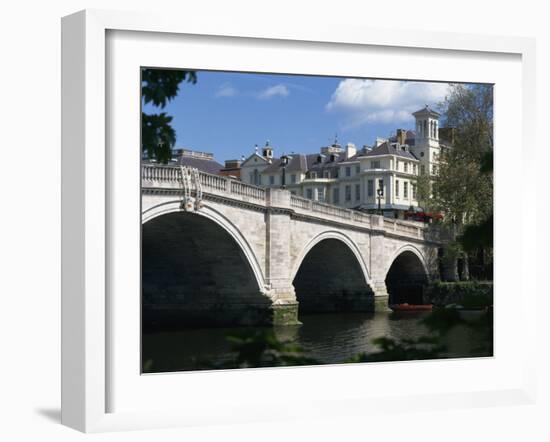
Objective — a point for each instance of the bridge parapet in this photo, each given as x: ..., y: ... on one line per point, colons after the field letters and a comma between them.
x: 171, y: 177
x: 156, y: 177
x: 304, y: 206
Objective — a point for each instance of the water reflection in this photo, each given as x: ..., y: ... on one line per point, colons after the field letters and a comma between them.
x: 329, y: 338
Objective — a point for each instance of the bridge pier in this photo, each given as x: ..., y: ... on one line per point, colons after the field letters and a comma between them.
x: 285, y: 305
x: 381, y: 296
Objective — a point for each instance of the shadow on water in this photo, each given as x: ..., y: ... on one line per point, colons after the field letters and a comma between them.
x: 328, y: 338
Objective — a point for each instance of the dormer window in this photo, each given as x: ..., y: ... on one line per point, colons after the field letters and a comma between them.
x: 320, y: 159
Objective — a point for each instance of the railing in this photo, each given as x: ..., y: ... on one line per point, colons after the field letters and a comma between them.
x: 213, y: 181
x: 404, y: 227
x: 301, y: 203
x: 247, y: 190
x: 329, y: 209
x: 360, y: 217
x: 171, y: 177
x: 160, y: 173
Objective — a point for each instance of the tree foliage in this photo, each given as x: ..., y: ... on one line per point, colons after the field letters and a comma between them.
x: 158, y: 87
x: 463, y: 186
x: 461, y: 189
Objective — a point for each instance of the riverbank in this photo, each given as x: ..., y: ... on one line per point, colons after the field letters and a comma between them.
x: 472, y: 294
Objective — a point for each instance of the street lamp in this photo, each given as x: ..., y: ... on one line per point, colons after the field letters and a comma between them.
x: 380, y: 193
x: 284, y: 163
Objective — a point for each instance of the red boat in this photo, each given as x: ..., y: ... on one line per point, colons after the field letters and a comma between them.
x: 411, y: 307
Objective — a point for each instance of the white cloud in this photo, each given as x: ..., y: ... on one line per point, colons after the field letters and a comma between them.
x: 273, y: 91
x: 384, y: 101
x: 226, y: 90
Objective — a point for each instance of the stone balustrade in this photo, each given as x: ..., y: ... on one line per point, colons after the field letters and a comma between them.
x: 170, y: 177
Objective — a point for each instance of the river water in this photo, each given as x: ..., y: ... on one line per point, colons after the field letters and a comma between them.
x: 329, y: 338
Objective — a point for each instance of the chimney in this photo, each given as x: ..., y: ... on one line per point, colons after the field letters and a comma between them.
x: 351, y: 150
x: 232, y: 164
x: 401, y: 136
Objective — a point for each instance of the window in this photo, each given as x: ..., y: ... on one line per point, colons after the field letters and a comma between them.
x: 357, y: 170
x: 255, y: 177
x: 348, y: 193
x: 422, y: 169
x: 397, y: 188
x: 348, y: 171
x: 381, y: 186
x: 293, y: 178
x: 313, y: 175
x: 413, y: 190
x: 336, y: 195
x: 434, y: 169
x: 405, y: 189
x: 309, y: 194
x: 326, y: 173
x: 406, y: 167
x: 271, y: 180
x: 375, y: 164
x: 321, y: 194
x: 397, y: 165
x: 357, y: 192
x: 422, y: 154
x: 414, y: 169
x: 370, y: 188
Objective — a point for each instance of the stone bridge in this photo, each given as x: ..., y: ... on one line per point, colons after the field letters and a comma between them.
x: 217, y: 250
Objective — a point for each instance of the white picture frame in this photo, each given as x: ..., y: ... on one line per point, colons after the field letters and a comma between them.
x: 87, y: 316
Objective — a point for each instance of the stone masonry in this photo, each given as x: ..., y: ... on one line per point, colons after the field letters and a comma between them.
x: 337, y: 258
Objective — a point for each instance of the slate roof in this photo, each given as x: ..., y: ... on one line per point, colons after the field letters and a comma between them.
x: 410, y: 138
x: 204, y: 165
x: 387, y: 149
x: 426, y: 110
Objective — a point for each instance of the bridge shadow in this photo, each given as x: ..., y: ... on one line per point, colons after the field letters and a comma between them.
x: 194, y: 274
x: 330, y: 279
x: 406, y: 279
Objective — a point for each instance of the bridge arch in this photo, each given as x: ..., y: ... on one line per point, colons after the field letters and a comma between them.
x: 198, y: 269
x: 211, y: 213
x: 330, y: 274
x: 332, y: 234
x: 407, y: 275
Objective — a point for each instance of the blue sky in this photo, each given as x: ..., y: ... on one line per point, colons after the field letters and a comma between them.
x: 227, y: 114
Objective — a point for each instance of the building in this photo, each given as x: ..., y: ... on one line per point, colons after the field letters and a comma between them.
x: 382, y: 176
x: 232, y: 169
x: 203, y: 161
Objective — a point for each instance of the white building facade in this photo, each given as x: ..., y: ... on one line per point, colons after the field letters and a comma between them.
x: 382, y: 177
